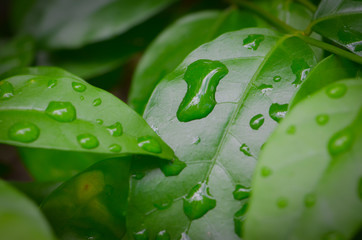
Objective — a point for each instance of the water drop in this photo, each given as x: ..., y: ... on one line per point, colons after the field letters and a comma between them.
x: 277, y: 79
x: 277, y: 111
x: 241, y: 192
x: 114, y: 148
x: 282, y: 202
x: 322, y: 119
x: 61, y: 111
x: 301, y: 69
x: 97, y: 102
x: 172, y: 168
x: 239, y: 219
x: 253, y: 41
x: 163, y: 235
x: 341, y: 142
x: 78, y: 87
x: 141, y: 235
x: 24, y: 132
x: 196, y: 140
x: 266, y: 171
x: 52, y: 83
x: 138, y: 175
x: 202, y: 78
x: 87, y: 141
x: 149, y: 144
x: 163, y: 205
x: 81, y: 98
x: 245, y: 149
x: 360, y: 188
x: 291, y: 130
x: 184, y: 236
x: 257, y: 121
x: 265, y: 88
x: 99, y: 121
x: 333, y: 236
x: 116, y: 129
x: 310, y: 200
x: 198, y: 201
x: 336, y: 90
x: 6, y: 90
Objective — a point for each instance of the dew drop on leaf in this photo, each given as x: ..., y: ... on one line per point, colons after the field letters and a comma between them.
x: 301, y: 69
x: 172, y: 168
x: 184, y: 236
x: 266, y: 171
x: 81, y: 98
x: 337, y: 90
x: 115, y: 129
x: 291, y: 130
x: 282, y: 202
x: 115, y: 148
x: 163, y: 205
x: 340, y: 142
x: 99, y: 121
x: 265, y: 88
x: 61, y: 111
x: 163, y: 235
x: 241, y: 192
x: 138, y: 175
x: 24, y: 132
x: 87, y: 141
x: 239, y: 219
x: 245, y: 149
x: 149, y: 144
x: 6, y: 90
x: 277, y: 78
x: 310, y: 200
x: 322, y: 119
x: 198, y: 201
x: 277, y: 111
x: 78, y: 87
x: 333, y: 236
x: 141, y: 235
x: 253, y: 41
x: 97, y: 102
x: 202, y: 78
x: 257, y: 121
x: 196, y: 140
x: 52, y: 83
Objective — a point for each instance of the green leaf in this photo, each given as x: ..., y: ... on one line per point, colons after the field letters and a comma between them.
x: 257, y: 70
x: 340, y: 21
x: 199, y: 28
x: 49, y: 108
x: 85, y: 21
x: 308, y: 177
x: 91, y: 205
x: 20, y: 218
x: 330, y: 69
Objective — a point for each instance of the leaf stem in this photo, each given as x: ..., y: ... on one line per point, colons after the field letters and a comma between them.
x: 308, y: 5
x: 330, y: 48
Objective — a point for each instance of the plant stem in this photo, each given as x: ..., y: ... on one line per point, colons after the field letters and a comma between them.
x: 308, y: 5
x: 330, y: 48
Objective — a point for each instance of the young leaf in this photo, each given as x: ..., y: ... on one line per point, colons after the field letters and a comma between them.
x: 58, y: 111
x: 330, y: 69
x: 199, y: 28
x: 215, y: 110
x: 20, y: 218
x: 91, y: 205
x: 308, y: 177
x: 340, y: 21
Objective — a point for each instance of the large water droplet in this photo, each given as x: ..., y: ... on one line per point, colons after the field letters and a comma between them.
x: 265, y: 88
x: 115, y: 148
x: 257, y: 121
x: 245, y: 149
x: 87, y: 141
x: 61, y: 111
x: 149, y: 144
x: 198, y: 201
x: 24, y: 132
x: 163, y: 205
x: 163, y: 235
x: 78, y: 87
x: 282, y: 202
x: 310, y: 200
x: 241, y: 192
x: 172, y: 168
x: 253, y: 41
x: 115, y: 129
x: 6, y: 90
x: 266, y: 171
x: 52, y: 83
x: 333, y: 236
x: 141, y: 235
x: 301, y: 69
x: 341, y: 142
x: 322, y: 119
x: 277, y: 78
x: 239, y: 219
x: 202, y: 78
x: 359, y: 191
x: 277, y: 111
x: 336, y: 90
x: 97, y: 102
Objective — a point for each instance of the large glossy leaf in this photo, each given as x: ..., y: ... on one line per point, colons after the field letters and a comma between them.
x: 340, y: 21
x: 176, y: 42
x: 20, y: 218
x: 218, y: 135
x: 93, y: 204
x: 331, y: 69
x: 49, y: 108
x: 308, y: 177
x: 86, y: 21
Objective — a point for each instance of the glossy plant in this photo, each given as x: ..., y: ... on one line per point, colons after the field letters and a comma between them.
x: 250, y: 128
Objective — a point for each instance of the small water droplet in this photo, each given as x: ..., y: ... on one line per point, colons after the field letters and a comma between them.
x: 155, y: 129
x: 198, y: 201
x: 322, y: 119
x: 172, y: 168
x: 149, y: 144
x: 336, y: 90
x: 115, y: 129
x: 277, y: 79
x: 301, y: 69
x: 239, y: 220
x: 24, y: 132
x: 257, y: 121
x: 141, y: 235
x: 241, y: 192
x: 114, y: 148
x: 282, y: 202
x: 163, y: 205
x: 341, y: 142
x: 163, y: 235
x: 99, y: 121
x: 265, y: 88
x: 245, y: 149
x: 291, y: 130
x: 97, y: 102
x: 61, y: 111
x: 6, y: 90
x: 81, y: 98
x: 184, y: 236
x: 333, y: 236
x: 277, y: 111
x: 52, y: 83
x: 196, y: 140
x: 78, y: 87
x: 253, y: 41
x: 202, y: 78
x: 266, y: 171
x: 310, y: 200
x: 360, y: 188
x: 138, y: 175
x: 87, y: 141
